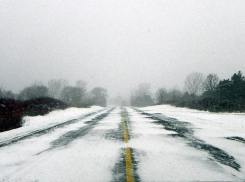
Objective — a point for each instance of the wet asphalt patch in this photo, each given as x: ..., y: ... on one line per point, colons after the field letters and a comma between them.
x: 184, y: 130
x: 115, y: 134
x: 70, y: 136
x: 238, y: 139
x: 134, y: 153
x: 128, y: 125
x: 119, y: 170
x: 47, y: 130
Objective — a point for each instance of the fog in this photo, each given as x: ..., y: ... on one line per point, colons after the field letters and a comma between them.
x: 119, y: 44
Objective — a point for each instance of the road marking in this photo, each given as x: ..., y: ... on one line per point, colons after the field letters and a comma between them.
x: 128, y: 159
x: 125, y: 132
x: 129, y: 165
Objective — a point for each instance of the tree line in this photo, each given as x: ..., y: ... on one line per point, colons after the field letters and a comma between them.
x: 199, y: 92
x: 77, y: 95
x: 40, y: 99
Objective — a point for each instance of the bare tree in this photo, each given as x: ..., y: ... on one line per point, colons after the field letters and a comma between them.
x: 72, y: 95
x: 33, y: 91
x: 162, y: 95
x: 1, y: 92
x: 88, y: 99
x: 175, y: 94
x: 143, y: 89
x: 8, y: 95
x: 99, y: 96
x: 141, y: 96
x: 55, y: 86
x: 81, y: 84
x: 194, y: 82
x: 211, y: 82
x: 37, y: 83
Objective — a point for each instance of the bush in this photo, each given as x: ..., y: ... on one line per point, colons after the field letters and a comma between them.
x: 12, y: 111
x: 211, y: 104
x: 10, y: 114
x: 41, y: 106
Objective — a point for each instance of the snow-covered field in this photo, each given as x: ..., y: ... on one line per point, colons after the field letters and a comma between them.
x: 92, y: 148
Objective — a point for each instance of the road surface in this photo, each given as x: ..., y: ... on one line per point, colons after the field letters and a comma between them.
x: 119, y: 144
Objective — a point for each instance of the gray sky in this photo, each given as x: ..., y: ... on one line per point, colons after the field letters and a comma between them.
x: 118, y: 44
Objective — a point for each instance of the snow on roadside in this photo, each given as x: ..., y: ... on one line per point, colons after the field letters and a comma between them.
x: 164, y: 158
x: 57, y: 116
x: 214, y: 124
x: 213, y: 128
x: 52, y: 118
x: 89, y: 158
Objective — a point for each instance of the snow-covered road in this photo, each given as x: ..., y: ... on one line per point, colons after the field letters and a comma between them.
x: 158, y: 143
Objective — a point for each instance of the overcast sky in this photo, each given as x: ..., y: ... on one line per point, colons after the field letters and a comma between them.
x: 118, y: 44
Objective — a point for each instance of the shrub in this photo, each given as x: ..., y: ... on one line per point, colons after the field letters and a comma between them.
x: 12, y: 111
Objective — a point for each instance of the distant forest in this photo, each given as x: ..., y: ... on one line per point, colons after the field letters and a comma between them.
x: 38, y: 99
x: 203, y: 93
x: 210, y: 94
x: 59, y: 89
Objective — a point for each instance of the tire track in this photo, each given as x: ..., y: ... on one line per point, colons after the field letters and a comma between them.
x: 184, y: 130
x: 70, y: 136
x: 45, y: 130
x: 238, y: 139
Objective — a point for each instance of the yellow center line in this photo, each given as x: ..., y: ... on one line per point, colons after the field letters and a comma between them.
x: 128, y: 159
x: 129, y: 166
x: 125, y: 132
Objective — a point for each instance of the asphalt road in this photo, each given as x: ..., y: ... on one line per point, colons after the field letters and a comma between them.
x: 116, y: 144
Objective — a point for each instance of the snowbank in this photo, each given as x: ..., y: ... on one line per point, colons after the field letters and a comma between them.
x: 31, y: 124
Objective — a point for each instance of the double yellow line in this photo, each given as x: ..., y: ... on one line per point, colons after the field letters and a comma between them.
x: 128, y: 159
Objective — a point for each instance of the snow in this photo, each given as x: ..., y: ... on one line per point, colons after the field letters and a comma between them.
x: 40, y: 122
x: 90, y: 158
x: 58, y: 116
x: 213, y: 128
x: 163, y: 158
x: 93, y: 157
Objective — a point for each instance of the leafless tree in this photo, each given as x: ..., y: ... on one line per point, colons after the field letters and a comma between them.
x: 99, y: 96
x: 9, y: 95
x: 33, y: 91
x: 1, y: 92
x: 194, y: 82
x: 55, y: 86
x: 143, y: 89
x: 141, y: 96
x: 162, y: 95
x: 72, y: 95
x: 81, y: 84
x: 37, y: 83
x: 4, y: 94
x: 211, y: 82
x: 175, y: 94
